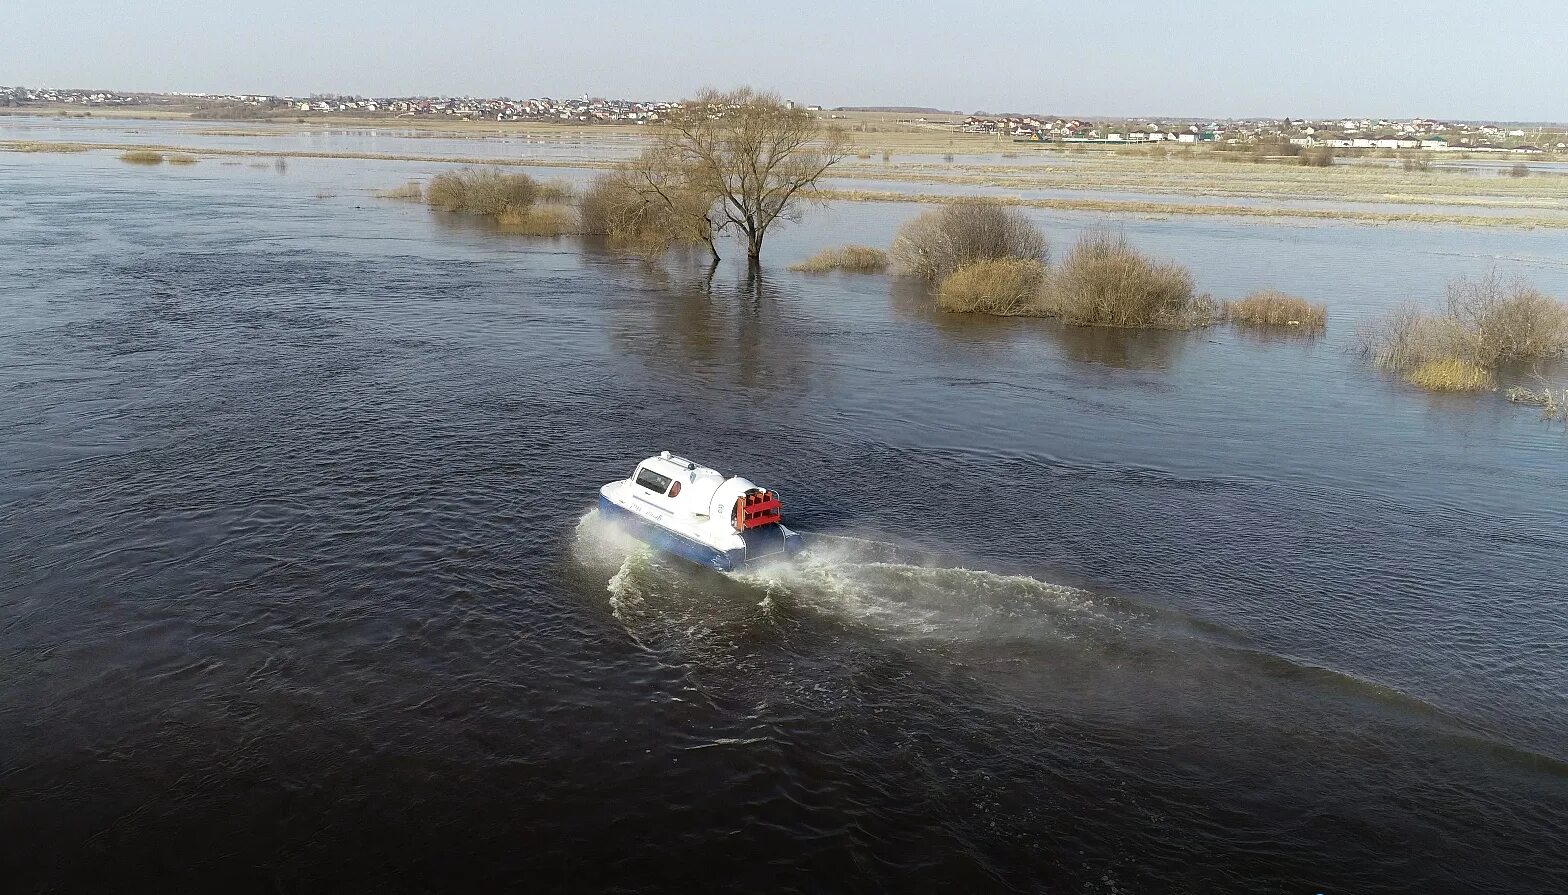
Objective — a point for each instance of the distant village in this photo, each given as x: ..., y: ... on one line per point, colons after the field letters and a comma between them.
x: 1364, y: 133
x: 583, y: 110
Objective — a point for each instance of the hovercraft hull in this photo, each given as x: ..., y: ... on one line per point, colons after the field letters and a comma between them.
x: 760, y: 543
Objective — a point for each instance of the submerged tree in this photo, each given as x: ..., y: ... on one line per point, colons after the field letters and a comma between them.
x: 731, y: 159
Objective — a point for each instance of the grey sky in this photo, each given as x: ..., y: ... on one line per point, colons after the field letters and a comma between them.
x: 1223, y: 58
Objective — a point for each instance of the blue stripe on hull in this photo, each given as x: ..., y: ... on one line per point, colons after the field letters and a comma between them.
x: 668, y: 541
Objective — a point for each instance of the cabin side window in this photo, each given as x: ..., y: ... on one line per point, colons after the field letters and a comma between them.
x: 652, y: 480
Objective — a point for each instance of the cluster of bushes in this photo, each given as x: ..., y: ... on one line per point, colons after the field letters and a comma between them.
x: 485, y: 191
x: 1487, y: 322
x: 515, y: 202
x: 629, y: 213
x: 985, y: 258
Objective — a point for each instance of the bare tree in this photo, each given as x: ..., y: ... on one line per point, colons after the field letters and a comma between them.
x: 759, y: 156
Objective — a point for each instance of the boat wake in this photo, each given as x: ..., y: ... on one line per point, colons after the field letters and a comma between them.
x: 1022, y: 633
x: 890, y: 589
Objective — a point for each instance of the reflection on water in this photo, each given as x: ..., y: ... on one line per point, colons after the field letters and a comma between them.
x: 738, y: 335
x: 1127, y: 349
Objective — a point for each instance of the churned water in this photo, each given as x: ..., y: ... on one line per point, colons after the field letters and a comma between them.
x: 300, y: 588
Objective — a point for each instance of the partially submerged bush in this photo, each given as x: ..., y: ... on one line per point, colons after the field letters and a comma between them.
x: 408, y: 192
x: 1488, y: 322
x: 1553, y: 404
x: 142, y: 157
x: 944, y: 239
x: 993, y: 286
x: 1451, y: 375
x: 639, y: 208
x: 1270, y: 307
x: 181, y: 158
x: 1411, y: 337
x: 850, y: 258
x: 1103, y: 281
x: 486, y: 191
x: 1509, y: 320
x: 542, y: 220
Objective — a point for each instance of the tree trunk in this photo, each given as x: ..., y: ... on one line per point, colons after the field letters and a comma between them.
x: 753, y: 249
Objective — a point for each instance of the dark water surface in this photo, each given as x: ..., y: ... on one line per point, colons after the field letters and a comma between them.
x: 299, y: 590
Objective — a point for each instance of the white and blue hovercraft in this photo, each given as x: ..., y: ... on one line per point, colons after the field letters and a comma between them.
x: 697, y: 513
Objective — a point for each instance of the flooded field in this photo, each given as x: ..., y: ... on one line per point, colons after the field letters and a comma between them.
x: 301, y: 589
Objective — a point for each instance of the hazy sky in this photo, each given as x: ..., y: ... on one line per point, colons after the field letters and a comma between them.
x: 1304, y: 58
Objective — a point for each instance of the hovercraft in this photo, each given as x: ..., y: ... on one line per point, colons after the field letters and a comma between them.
x: 698, y: 514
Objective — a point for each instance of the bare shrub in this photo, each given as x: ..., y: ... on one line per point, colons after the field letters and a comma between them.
x: 1270, y: 307
x: 1103, y: 281
x: 181, y: 158
x: 1553, y: 403
x: 1265, y: 152
x: 1316, y: 157
x: 556, y: 191
x: 1410, y: 337
x: 1451, y: 375
x: 1519, y: 169
x: 993, y: 286
x: 1417, y: 162
x: 941, y: 240
x: 645, y: 207
x: 850, y: 258
x: 1508, y: 320
x: 486, y: 191
x: 142, y: 157
x: 408, y: 192
x: 539, y: 220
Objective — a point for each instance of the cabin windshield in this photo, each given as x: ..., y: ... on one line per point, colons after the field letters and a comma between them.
x: 652, y: 480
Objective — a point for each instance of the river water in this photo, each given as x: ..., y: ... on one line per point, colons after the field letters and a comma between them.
x: 300, y: 588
